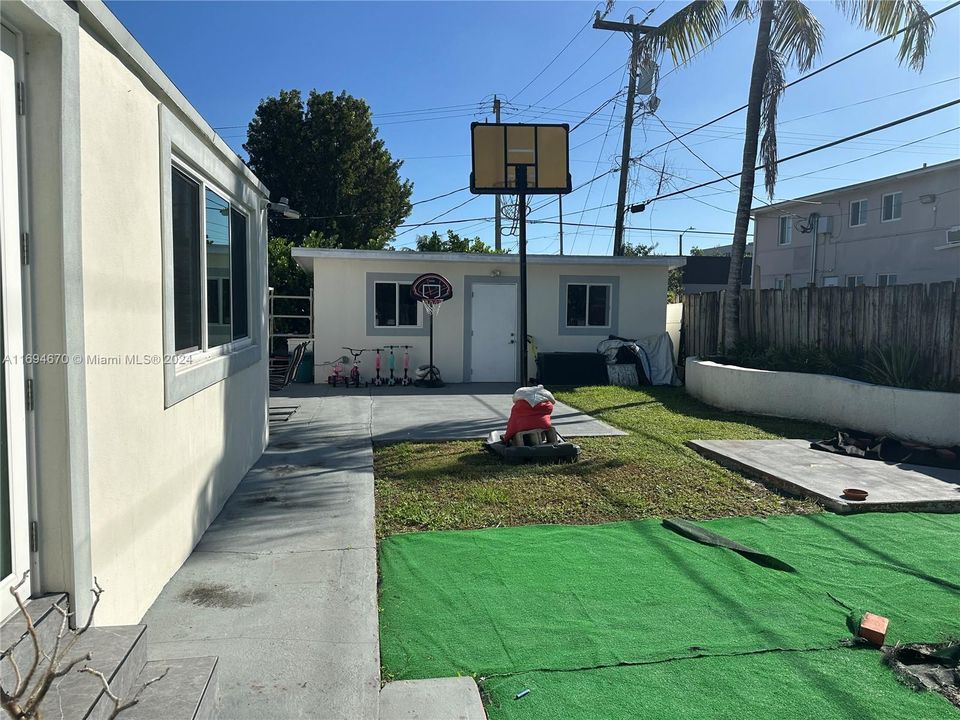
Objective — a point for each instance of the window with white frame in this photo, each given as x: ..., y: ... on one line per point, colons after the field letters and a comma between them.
x: 885, y: 279
x: 858, y: 213
x: 785, y: 233
x: 778, y: 283
x: 588, y: 305
x: 831, y: 281
x: 393, y: 305
x: 854, y: 281
x: 891, y: 207
x: 953, y: 235
x: 210, y: 249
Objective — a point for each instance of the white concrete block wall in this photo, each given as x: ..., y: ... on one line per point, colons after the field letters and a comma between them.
x: 929, y: 417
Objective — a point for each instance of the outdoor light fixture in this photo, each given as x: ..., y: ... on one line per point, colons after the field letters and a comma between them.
x: 927, y: 199
x: 282, y: 207
x: 494, y: 273
x: 639, y: 207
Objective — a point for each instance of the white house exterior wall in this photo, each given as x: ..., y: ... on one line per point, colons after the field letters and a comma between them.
x: 158, y: 475
x: 340, y: 312
x: 911, y: 247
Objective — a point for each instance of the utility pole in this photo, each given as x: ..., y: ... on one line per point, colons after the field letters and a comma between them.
x: 496, y: 198
x: 560, y: 200
x: 635, y: 31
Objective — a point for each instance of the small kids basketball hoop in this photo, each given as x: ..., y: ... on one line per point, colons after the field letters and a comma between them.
x: 431, y: 290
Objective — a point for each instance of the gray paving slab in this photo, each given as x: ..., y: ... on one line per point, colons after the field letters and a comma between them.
x: 453, y: 698
x: 793, y: 466
x: 282, y: 585
x: 454, y: 412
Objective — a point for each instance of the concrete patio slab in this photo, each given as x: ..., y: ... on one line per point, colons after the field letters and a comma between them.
x: 454, y: 412
x: 455, y: 698
x: 793, y: 466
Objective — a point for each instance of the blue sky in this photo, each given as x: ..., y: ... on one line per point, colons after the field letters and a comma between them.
x: 445, y: 60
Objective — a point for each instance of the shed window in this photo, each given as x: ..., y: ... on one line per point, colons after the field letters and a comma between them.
x: 219, y: 262
x: 588, y: 305
x: 394, y: 306
x: 885, y: 279
x: 854, y: 281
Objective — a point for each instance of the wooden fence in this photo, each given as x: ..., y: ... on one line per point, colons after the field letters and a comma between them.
x: 841, y: 319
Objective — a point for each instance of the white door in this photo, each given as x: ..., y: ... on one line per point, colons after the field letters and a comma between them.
x: 494, y: 351
x: 14, y: 518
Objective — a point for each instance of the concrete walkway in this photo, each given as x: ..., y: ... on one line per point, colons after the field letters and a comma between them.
x: 283, y: 585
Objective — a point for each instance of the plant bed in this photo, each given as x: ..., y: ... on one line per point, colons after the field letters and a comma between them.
x: 917, y: 415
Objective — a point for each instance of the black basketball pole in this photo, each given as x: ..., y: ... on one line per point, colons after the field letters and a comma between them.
x: 521, y: 171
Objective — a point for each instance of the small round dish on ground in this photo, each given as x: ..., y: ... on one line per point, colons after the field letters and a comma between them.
x: 855, y: 494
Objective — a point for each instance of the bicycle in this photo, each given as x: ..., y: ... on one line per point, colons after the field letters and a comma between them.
x: 355, y: 370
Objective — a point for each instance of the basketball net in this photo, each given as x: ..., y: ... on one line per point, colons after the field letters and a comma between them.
x: 432, y: 306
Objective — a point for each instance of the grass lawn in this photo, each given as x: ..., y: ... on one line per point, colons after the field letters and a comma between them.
x: 649, y: 473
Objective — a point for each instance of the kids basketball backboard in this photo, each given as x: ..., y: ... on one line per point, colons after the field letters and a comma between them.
x: 431, y: 287
x: 503, y: 152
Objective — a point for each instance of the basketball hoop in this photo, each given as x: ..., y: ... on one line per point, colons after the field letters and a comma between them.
x: 431, y: 289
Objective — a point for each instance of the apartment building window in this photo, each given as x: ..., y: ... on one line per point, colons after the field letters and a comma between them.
x: 885, y: 279
x: 858, y: 213
x: 785, y: 234
x: 778, y: 283
x: 831, y: 281
x: 891, y: 207
x: 854, y: 281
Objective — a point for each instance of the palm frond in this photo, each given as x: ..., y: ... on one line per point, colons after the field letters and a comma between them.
x: 744, y: 10
x: 773, y: 87
x: 888, y: 16
x: 687, y: 31
x: 797, y: 34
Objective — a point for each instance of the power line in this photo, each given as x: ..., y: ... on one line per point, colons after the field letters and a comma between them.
x: 578, y: 68
x: 813, y: 73
x: 878, y: 128
x: 437, y: 197
x: 431, y: 220
x: 555, y: 58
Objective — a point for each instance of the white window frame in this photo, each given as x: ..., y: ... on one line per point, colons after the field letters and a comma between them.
x: 954, y: 229
x: 856, y: 282
x: 883, y: 204
x: 187, y: 373
x: 586, y: 318
x: 781, y: 225
x: 779, y: 283
x: 888, y: 276
x: 830, y: 281
x: 863, y: 207
x: 396, y: 290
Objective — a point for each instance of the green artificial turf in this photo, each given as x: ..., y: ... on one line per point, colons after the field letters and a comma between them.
x: 845, y: 684
x: 556, y: 599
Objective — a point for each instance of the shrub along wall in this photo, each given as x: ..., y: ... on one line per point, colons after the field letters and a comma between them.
x: 854, y: 322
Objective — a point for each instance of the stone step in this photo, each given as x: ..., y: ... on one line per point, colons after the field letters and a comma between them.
x: 16, y: 640
x: 435, y: 699
x: 190, y: 690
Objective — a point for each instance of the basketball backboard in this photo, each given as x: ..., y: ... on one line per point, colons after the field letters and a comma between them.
x: 499, y: 149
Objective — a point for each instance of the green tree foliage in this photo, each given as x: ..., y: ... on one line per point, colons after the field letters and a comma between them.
x: 324, y: 154
x: 435, y: 242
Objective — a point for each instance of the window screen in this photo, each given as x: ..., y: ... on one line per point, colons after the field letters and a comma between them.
x: 187, y: 284
x: 576, y: 305
x: 218, y: 265
x: 599, y: 304
x: 385, y: 304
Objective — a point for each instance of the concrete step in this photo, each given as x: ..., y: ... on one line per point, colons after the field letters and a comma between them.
x: 189, y: 691
x: 16, y: 640
x: 435, y: 699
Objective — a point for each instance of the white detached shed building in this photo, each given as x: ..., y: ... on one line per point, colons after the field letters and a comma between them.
x: 362, y: 300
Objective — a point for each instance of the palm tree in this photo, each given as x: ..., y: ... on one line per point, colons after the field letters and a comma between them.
x: 788, y: 34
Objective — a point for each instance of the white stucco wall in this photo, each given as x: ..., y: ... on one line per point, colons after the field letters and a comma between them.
x: 929, y: 417
x: 340, y: 308
x: 158, y: 476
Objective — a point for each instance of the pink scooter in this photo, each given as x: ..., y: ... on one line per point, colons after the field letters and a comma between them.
x: 378, y: 381
x: 406, y: 379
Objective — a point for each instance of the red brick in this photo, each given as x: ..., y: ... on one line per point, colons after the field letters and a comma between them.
x: 873, y: 628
